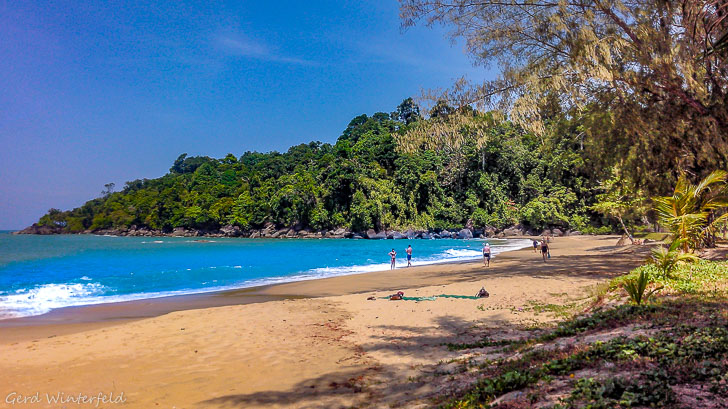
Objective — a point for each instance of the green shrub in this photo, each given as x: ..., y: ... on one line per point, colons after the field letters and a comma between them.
x: 637, y: 288
x: 702, y: 277
x: 667, y: 259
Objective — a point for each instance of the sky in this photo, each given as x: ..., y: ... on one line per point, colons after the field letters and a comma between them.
x: 97, y: 92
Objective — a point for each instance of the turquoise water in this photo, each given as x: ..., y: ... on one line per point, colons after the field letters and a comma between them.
x: 40, y: 273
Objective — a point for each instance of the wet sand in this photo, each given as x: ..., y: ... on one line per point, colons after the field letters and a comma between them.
x: 316, y: 343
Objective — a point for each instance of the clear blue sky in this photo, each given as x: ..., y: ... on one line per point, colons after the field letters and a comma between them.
x: 97, y: 92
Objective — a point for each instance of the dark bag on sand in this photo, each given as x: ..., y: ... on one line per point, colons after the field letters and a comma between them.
x: 397, y: 296
x: 482, y: 293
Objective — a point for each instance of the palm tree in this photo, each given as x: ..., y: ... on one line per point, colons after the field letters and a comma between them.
x: 689, y: 212
x: 666, y: 259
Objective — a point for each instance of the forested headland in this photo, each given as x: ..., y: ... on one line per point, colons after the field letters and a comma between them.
x: 598, y: 107
x: 366, y: 180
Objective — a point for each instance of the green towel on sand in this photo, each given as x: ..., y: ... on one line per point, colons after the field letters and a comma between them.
x: 419, y: 298
x: 469, y: 297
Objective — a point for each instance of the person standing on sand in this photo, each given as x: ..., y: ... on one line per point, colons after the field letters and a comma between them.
x: 544, y: 250
x: 393, y: 255
x: 535, y: 246
x: 409, y: 256
x: 486, y: 254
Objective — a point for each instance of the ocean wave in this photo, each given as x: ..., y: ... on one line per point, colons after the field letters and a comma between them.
x: 447, y: 256
x: 46, y: 297
x: 463, y: 253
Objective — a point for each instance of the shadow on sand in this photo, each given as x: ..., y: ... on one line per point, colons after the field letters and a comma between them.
x: 399, y: 384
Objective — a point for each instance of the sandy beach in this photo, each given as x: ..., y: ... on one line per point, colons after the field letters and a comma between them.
x: 316, y: 343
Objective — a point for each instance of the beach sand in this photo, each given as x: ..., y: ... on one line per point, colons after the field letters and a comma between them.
x: 333, y: 349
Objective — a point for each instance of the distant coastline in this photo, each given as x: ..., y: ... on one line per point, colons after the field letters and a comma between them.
x: 270, y: 231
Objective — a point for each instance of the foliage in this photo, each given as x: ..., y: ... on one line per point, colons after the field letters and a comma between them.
x: 687, y: 346
x: 637, y: 288
x: 619, y: 200
x: 689, y: 212
x: 702, y: 277
x: 667, y: 259
x: 647, y: 78
x: 495, y: 174
x: 619, y: 392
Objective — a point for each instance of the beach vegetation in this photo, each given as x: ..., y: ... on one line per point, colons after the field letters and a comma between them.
x: 637, y: 288
x: 694, y: 212
x: 620, y: 201
x: 657, y: 354
x: 703, y: 278
x: 656, y: 364
x: 666, y: 259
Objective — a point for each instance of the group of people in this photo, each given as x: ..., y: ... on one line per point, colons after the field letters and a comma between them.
x: 393, y: 257
x: 543, y: 244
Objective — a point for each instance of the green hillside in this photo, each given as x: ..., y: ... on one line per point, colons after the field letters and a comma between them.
x: 366, y: 180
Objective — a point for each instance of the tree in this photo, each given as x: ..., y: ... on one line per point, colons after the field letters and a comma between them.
x: 54, y: 218
x: 619, y: 201
x: 441, y: 109
x: 108, y: 189
x: 660, y: 67
x: 407, y: 112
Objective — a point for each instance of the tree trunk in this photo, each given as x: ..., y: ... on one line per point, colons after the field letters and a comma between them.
x: 710, y: 236
x: 625, y: 229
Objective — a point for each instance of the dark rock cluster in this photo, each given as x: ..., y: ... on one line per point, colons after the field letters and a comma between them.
x: 271, y: 231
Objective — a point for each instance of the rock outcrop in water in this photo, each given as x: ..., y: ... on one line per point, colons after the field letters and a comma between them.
x: 42, y: 230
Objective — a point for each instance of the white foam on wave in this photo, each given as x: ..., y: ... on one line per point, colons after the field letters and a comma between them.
x: 447, y: 256
x: 46, y: 297
x: 43, y: 298
x: 457, y: 253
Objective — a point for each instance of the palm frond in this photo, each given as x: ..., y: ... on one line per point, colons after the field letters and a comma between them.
x: 715, y: 177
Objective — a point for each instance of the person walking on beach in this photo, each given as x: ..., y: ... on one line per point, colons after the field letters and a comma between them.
x: 535, y: 246
x: 486, y: 254
x: 409, y: 256
x: 544, y: 250
x: 393, y: 255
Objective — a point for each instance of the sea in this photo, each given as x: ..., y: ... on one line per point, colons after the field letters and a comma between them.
x: 42, y: 273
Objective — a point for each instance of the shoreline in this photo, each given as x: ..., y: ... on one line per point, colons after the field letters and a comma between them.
x: 332, y: 347
x: 158, y: 305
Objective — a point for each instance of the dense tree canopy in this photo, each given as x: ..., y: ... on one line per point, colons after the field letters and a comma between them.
x: 648, y: 78
x: 367, y: 179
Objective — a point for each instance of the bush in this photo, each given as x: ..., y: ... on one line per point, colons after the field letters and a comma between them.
x: 702, y: 277
x: 637, y: 288
x: 667, y: 259
x: 598, y: 230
